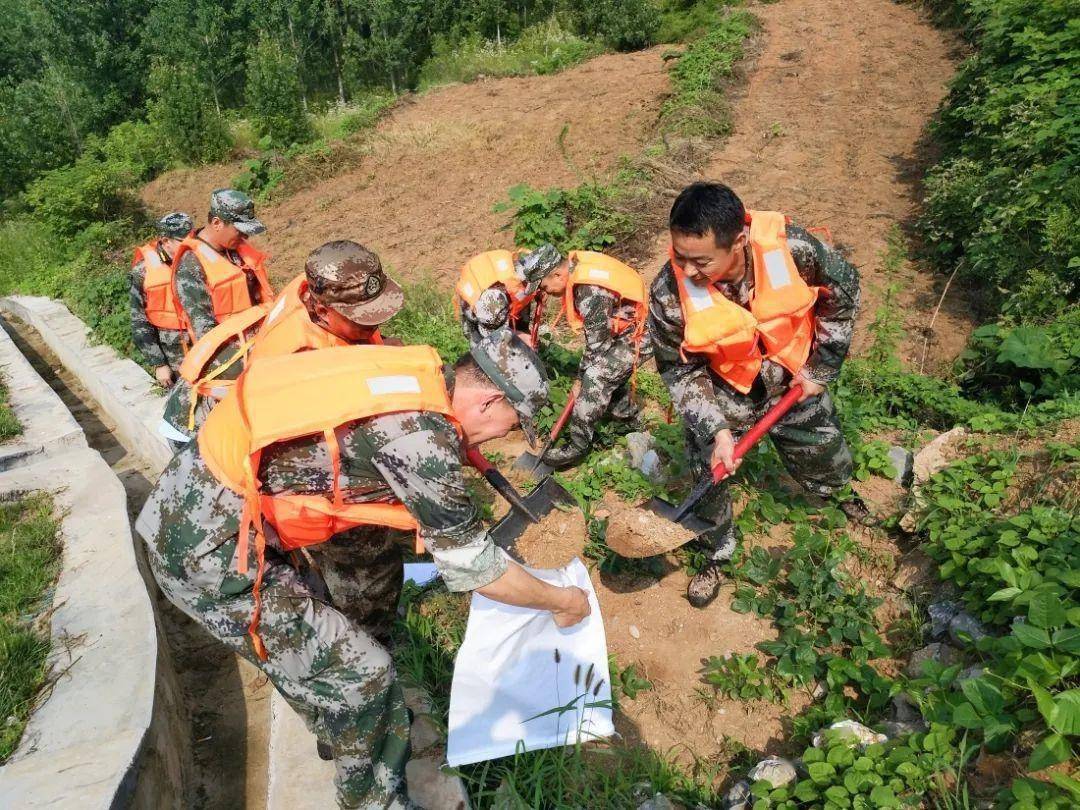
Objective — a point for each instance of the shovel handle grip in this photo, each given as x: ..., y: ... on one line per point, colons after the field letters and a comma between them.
x: 564, y: 417
x: 498, y: 482
x: 754, y: 434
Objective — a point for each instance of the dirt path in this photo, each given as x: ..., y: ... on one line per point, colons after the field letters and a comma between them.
x: 228, y: 699
x: 422, y: 197
x: 830, y: 129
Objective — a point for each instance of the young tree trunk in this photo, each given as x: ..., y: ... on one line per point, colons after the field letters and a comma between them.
x: 337, y: 71
x: 498, y: 35
x: 296, y: 56
x: 213, y: 77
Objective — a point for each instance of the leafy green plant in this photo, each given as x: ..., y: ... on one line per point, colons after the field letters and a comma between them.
x: 739, y: 676
x: 274, y: 94
x: 872, y: 458
x: 183, y: 115
x: 625, y: 681
x: 581, y: 218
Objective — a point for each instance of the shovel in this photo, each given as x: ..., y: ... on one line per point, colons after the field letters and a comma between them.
x: 529, y: 463
x: 683, y: 513
x: 501, y: 485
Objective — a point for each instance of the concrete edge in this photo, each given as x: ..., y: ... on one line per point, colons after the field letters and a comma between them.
x: 82, y: 745
x: 120, y: 386
x: 47, y: 425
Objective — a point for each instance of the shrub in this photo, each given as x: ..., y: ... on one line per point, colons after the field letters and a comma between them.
x: 138, y: 146
x: 581, y: 218
x: 89, y: 190
x: 1002, y: 204
x: 182, y: 111
x: 274, y: 96
x: 625, y: 25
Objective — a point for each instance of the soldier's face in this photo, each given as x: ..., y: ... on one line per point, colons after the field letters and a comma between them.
x: 554, y: 283
x: 226, y: 233
x: 342, y: 327
x: 704, y: 261
x: 170, y: 245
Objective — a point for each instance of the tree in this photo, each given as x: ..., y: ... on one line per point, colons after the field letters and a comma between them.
x: 623, y: 24
x: 184, y: 113
x: 274, y: 98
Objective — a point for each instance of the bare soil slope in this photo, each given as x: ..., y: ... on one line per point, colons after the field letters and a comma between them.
x: 423, y: 196
x: 830, y: 130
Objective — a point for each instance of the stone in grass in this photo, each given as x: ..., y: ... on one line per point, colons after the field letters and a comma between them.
x: 774, y: 770
x: 916, y: 570
x: 643, y: 457
x: 904, y: 711
x: 969, y: 674
x: 738, y: 797
x: 658, y: 802
x: 942, y: 653
x: 902, y: 461
x: 965, y: 629
x: 894, y: 730
x: 941, y: 614
x: 850, y: 731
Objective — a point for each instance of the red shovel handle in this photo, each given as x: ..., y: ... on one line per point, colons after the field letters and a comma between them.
x: 753, y: 436
x: 560, y: 423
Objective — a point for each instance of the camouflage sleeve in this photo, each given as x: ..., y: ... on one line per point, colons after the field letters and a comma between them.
x: 143, y: 333
x: 834, y: 328
x: 423, y: 468
x: 688, y: 381
x: 595, y: 305
x: 194, y: 296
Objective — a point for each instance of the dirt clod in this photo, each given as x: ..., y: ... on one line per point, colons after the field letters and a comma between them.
x: 634, y: 531
x: 554, y: 541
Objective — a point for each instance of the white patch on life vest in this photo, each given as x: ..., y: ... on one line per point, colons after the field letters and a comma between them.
x: 700, y: 298
x: 393, y: 384
x: 207, y: 252
x: 602, y: 275
x: 278, y: 307
x: 467, y: 289
x: 502, y: 264
x: 520, y: 294
x: 219, y: 391
x: 776, y: 267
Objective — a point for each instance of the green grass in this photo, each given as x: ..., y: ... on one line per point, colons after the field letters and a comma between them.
x: 9, y: 425
x: 428, y: 318
x: 29, y: 561
x: 541, y: 49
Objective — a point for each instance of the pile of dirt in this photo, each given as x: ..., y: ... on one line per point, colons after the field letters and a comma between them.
x: 637, y: 532
x: 553, y: 542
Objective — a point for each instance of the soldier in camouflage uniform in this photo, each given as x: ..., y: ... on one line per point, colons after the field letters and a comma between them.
x: 333, y: 671
x: 607, y: 363
x: 338, y: 275
x: 163, y: 349
x: 231, y: 220
x: 543, y: 270
x: 708, y: 237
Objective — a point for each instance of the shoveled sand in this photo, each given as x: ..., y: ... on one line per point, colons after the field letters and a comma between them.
x: 554, y: 541
x: 634, y: 531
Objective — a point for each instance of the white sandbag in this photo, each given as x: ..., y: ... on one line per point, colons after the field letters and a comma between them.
x: 506, y: 674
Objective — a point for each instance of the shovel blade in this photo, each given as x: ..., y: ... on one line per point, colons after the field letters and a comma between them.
x: 690, y: 521
x: 547, y: 495
x: 531, y: 464
x: 633, y: 544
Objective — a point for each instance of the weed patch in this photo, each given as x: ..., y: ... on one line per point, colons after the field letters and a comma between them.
x: 29, y: 560
x: 9, y: 425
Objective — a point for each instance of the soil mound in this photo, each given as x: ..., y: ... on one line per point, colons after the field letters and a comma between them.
x: 554, y: 541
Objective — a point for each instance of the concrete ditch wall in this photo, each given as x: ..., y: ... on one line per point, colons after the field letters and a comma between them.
x: 82, y: 745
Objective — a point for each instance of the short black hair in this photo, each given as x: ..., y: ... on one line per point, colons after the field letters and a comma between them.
x: 702, y: 207
x: 468, y: 370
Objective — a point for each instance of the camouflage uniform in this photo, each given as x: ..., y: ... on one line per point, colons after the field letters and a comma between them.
x: 808, y: 438
x: 159, y: 347
x: 178, y: 403
x: 492, y: 310
x: 191, y: 290
x: 606, y: 365
x: 334, y: 671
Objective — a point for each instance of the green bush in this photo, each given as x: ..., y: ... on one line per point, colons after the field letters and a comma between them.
x: 138, y: 146
x: 428, y: 317
x: 687, y: 20
x: 89, y: 190
x: 582, y: 218
x: 1018, y: 364
x: 541, y: 49
x: 1002, y: 204
x: 274, y: 96
x: 625, y: 25
x: 182, y: 111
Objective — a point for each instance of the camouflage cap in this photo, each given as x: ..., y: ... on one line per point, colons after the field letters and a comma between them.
x: 536, y: 264
x: 518, y: 372
x: 349, y: 279
x: 236, y: 208
x: 174, y: 225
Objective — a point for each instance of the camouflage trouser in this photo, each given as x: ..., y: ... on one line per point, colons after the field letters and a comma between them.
x: 605, y: 389
x: 333, y: 672
x: 362, y: 573
x: 808, y: 440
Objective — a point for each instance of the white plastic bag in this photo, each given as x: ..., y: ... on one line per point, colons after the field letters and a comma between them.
x: 520, y: 679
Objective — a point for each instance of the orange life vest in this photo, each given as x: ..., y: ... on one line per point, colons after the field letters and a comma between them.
x: 778, y: 325
x: 600, y: 270
x: 226, y: 282
x: 488, y: 269
x: 162, y: 308
x: 277, y: 399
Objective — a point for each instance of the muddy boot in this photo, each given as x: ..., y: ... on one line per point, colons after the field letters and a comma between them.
x: 569, y: 454
x: 326, y: 753
x: 857, y: 511
x: 705, y: 586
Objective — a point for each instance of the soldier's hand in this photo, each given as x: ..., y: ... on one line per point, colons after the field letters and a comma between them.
x: 724, y: 451
x: 164, y: 376
x: 809, y: 387
x: 575, y: 607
